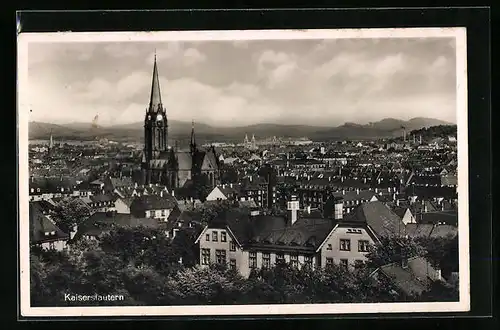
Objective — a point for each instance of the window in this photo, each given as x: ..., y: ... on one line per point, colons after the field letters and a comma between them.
x: 329, y: 247
x: 232, y: 264
x: 345, y: 245
x: 32, y: 190
x: 343, y: 263
x: 280, y: 257
x: 266, y: 260
x: 207, y: 237
x: 232, y: 246
x: 205, y: 256
x: 223, y: 237
x: 220, y: 256
x: 252, y: 260
x: 363, y: 246
x: 294, y: 260
x: 308, y: 261
x: 52, y: 246
x: 162, y: 213
x: 329, y: 262
x: 214, y: 236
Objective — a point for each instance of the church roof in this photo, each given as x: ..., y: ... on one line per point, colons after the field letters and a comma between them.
x: 155, y: 99
x: 209, y: 161
x: 184, y: 160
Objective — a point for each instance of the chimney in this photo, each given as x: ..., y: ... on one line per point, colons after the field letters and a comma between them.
x: 343, y: 191
x: 329, y: 179
x: 231, y: 185
x: 161, y: 193
x: 425, y: 208
x: 309, y: 209
x: 293, y: 207
x: 442, y: 206
x: 357, y: 191
x: 173, y: 193
x: 376, y: 190
x: 250, y: 177
x: 338, y: 208
x: 397, y: 202
x: 394, y: 196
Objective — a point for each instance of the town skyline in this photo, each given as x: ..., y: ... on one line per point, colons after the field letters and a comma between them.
x: 241, y: 83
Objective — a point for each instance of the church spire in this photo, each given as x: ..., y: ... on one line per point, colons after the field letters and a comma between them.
x: 155, y: 99
x: 193, y: 138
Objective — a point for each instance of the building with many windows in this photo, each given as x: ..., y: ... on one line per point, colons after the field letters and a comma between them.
x: 245, y: 242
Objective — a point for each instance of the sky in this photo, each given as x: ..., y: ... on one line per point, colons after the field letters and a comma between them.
x: 324, y: 82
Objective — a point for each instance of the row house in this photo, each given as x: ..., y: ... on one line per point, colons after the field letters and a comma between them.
x: 48, y: 188
x: 247, y: 242
x: 259, y: 190
x: 100, y: 202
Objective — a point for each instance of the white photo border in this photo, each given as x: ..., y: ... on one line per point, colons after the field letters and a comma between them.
x: 462, y: 305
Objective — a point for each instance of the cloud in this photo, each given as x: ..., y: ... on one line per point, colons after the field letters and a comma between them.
x: 242, y: 82
x: 193, y: 56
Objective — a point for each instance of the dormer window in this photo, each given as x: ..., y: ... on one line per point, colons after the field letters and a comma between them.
x: 32, y: 190
x: 52, y: 233
x: 37, y: 189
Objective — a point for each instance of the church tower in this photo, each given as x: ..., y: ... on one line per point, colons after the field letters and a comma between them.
x: 155, y: 123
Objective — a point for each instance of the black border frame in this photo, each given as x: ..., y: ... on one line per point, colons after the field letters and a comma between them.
x: 476, y: 20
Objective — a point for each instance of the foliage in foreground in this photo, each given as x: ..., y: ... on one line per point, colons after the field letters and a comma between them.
x: 142, y: 265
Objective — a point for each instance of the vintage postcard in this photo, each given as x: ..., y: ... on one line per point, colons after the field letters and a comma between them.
x: 243, y: 172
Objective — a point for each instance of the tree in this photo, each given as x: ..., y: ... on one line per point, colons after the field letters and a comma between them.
x: 70, y: 213
x: 201, y: 187
x: 214, y: 211
x: 392, y: 249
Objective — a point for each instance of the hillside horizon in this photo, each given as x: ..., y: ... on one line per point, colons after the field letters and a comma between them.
x: 180, y: 130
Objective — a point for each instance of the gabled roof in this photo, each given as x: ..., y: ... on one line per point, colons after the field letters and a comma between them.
x: 381, y: 219
x: 41, y: 224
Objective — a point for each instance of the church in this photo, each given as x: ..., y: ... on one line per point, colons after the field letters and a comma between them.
x: 169, y: 166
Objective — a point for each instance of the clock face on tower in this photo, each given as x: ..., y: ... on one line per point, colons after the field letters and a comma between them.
x: 159, y: 117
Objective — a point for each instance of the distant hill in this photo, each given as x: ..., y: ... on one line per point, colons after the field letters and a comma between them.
x: 181, y: 131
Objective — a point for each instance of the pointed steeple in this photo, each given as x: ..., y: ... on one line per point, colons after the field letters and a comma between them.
x: 51, y: 143
x: 155, y: 99
x: 193, y: 138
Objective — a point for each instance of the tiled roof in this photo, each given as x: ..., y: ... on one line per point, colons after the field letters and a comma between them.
x: 270, y: 232
x: 41, y: 224
x: 379, y: 217
x: 418, y: 230
x: 412, y: 280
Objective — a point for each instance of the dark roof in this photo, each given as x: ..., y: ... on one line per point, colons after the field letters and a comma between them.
x: 41, y: 224
x: 102, y: 198
x: 153, y: 202
x: 271, y: 232
x: 431, y: 192
x: 381, y: 219
x: 448, y: 217
x: 102, y: 222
